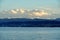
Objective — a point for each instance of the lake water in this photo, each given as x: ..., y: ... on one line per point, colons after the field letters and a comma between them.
x: 29, y: 33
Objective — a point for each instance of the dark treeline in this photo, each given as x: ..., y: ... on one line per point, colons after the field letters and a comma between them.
x: 23, y: 22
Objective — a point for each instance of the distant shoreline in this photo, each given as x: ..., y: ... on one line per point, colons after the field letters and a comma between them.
x: 24, y: 22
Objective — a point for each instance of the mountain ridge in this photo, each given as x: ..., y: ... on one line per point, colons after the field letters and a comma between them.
x: 25, y: 22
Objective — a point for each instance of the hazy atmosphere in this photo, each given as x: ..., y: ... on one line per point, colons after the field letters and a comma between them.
x: 29, y: 19
x: 29, y: 9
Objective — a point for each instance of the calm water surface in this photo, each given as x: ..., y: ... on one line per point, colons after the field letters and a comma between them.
x: 29, y: 33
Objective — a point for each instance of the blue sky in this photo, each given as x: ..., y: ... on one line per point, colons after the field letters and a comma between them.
x: 30, y: 4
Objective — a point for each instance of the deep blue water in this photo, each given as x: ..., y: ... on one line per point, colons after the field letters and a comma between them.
x: 29, y: 33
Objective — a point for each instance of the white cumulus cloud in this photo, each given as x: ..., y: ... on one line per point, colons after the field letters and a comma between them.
x: 34, y: 13
x: 13, y: 11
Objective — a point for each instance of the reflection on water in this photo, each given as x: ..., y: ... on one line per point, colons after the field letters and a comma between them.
x: 9, y: 33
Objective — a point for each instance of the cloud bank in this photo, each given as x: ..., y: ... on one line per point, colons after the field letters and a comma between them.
x: 27, y: 13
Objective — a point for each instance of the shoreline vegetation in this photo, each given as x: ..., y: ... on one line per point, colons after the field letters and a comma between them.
x: 25, y: 22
